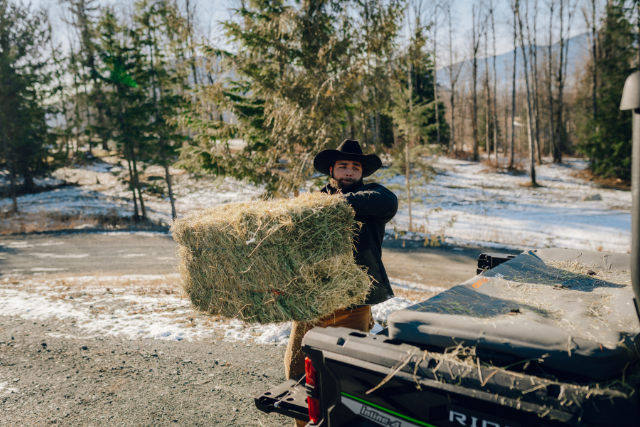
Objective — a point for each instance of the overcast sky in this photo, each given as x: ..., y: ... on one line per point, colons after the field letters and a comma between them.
x: 211, y: 12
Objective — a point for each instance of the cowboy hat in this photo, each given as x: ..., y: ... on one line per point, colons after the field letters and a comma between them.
x: 348, y: 150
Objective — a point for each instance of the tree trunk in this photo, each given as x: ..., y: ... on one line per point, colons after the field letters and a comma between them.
x: 129, y: 155
x: 378, y: 126
x: 133, y: 190
x: 526, y: 80
x: 63, y: 102
x: 594, y: 58
x: 407, y: 154
x: 487, y: 93
x: 77, y: 107
x: 474, y: 115
x: 534, y: 73
x: 193, y: 53
x: 88, y: 112
x: 408, y: 181
x: 28, y: 184
x: 143, y: 210
x: 564, y: 77
x: 513, y: 93
x: 167, y: 177
x: 163, y: 154
x: 495, y: 84
x: 12, y: 173
x: 452, y: 83
x: 435, y: 74
x: 549, y: 83
x: 557, y: 152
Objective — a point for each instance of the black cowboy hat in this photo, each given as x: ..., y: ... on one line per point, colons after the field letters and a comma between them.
x: 348, y: 150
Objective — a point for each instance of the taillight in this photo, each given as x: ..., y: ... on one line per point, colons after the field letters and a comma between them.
x: 312, y: 391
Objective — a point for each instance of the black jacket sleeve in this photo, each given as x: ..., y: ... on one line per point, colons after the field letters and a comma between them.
x: 374, y: 200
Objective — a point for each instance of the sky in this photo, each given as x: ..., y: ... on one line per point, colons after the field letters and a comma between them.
x: 209, y: 13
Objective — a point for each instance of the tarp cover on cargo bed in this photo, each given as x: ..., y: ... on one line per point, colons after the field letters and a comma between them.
x: 572, y: 309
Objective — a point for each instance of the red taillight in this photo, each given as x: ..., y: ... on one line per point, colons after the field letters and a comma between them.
x: 312, y: 392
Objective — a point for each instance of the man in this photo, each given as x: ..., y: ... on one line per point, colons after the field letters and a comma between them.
x: 374, y: 206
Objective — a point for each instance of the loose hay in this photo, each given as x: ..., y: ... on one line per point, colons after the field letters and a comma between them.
x: 272, y: 261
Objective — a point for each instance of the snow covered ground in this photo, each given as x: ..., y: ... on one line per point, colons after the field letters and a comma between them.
x: 473, y: 206
x: 139, y: 307
x: 100, y: 190
x: 465, y: 202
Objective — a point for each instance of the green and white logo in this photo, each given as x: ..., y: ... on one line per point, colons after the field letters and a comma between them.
x: 378, y: 414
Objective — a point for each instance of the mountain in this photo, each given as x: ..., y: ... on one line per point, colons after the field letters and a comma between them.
x: 578, y: 52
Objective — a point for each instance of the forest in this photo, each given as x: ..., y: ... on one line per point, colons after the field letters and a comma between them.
x: 281, y: 80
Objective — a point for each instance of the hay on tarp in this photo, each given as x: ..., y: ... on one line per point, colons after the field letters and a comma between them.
x: 272, y: 261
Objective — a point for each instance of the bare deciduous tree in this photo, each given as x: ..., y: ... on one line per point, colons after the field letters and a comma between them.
x: 526, y: 81
x: 455, y: 67
x: 476, y: 29
x: 495, y: 83
x: 513, y: 87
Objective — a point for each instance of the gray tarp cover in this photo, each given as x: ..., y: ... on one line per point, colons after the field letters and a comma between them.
x: 529, y: 309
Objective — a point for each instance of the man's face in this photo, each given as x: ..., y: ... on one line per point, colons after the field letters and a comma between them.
x: 347, y: 173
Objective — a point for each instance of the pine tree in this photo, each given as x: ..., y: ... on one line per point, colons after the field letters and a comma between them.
x: 416, y: 66
x: 24, y: 78
x: 161, y: 28
x: 127, y: 105
x: 606, y: 139
x: 296, y: 86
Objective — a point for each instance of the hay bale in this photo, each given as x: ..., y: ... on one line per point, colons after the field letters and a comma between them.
x: 272, y: 261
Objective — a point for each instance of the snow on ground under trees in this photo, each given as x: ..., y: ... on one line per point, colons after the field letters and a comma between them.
x: 143, y: 307
x: 466, y: 203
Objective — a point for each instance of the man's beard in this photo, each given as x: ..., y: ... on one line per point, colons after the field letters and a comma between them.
x: 346, y: 185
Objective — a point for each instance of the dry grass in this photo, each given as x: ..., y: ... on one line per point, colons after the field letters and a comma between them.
x: 579, y: 282
x: 613, y: 183
x: 502, y: 166
x: 11, y: 223
x: 461, y: 155
x: 471, y: 366
x: 272, y: 261
x: 76, y: 285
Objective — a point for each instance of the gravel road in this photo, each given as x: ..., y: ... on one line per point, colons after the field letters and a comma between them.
x: 47, y: 380
x: 53, y: 372
x: 120, y: 253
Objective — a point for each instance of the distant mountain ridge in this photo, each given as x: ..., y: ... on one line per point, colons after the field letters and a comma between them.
x: 578, y: 51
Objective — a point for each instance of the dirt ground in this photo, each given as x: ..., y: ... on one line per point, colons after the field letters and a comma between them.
x: 76, y: 381
x: 55, y: 373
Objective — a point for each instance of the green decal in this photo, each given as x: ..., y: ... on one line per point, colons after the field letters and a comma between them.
x: 421, y: 423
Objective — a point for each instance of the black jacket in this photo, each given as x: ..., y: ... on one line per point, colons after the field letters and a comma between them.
x: 374, y: 206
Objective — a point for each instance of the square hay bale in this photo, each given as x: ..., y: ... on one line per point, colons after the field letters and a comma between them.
x: 272, y: 261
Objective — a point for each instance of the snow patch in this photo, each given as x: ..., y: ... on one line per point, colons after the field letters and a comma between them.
x: 405, y: 284
x: 472, y: 206
x: 382, y: 311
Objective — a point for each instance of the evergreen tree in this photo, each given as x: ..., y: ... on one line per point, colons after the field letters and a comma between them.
x: 87, y: 86
x: 24, y: 78
x: 416, y: 67
x: 127, y: 105
x: 161, y: 28
x: 606, y: 138
x: 291, y: 92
